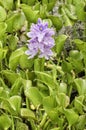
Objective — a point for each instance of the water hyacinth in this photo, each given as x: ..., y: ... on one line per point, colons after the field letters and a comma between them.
x: 41, y: 40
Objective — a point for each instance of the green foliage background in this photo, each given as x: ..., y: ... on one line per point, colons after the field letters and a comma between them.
x: 36, y: 94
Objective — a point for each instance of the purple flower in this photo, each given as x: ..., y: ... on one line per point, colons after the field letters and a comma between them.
x: 41, y: 40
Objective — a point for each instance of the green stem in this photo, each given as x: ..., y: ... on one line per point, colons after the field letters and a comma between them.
x: 18, y: 3
x: 12, y: 123
x: 27, y: 102
x: 46, y: 124
x: 69, y: 127
x: 26, y: 72
x: 43, y: 121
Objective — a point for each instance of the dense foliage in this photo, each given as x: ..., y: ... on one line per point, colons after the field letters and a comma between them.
x: 40, y: 94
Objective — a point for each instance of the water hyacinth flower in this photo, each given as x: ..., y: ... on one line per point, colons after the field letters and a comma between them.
x: 41, y: 40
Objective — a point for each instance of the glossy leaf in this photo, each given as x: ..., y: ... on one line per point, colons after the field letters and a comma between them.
x: 71, y: 116
x: 62, y: 100
x: 34, y: 95
x: 15, y: 22
x: 39, y: 64
x: 66, y: 66
x: 25, y: 62
x: 80, y: 44
x: 49, y: 103
x: 65, y: 18
x: 10, y: 76
x: 56, y: 22
x: 29, y: 12
x: 63, y: 88
x: 80, y: 10
x: 31, y: 2
x: 80, y: 85
x: 81, y: 122
x: 56, y: 128
x: 47, y: 79
x: 27, y: 113
x: 3, y: 53
x: 60, y: 41
x: 2, y: 14
x: 8, y: 4
x: 15, y: 57
x: 15, y: 102
x: 78, y: 102
x: 21, y: 126
x: 13, y: 40
x: 75, y: 54
x: 3, y: 27
x: 7, y: 122
x: 16, y: 87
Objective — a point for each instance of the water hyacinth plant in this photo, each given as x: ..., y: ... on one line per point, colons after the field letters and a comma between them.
x: 41, y: 40
x: 43, y: 83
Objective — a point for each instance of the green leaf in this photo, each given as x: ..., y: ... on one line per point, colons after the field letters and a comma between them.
x: 53, y: 114
x: 65, y: 18
x: 70, y: 14
x: 8, y: 4
x: 66, y: 66
x: 51, y: 4
x: 81, y: 14
x: 60, y: 41
x: 3, y: 27
x: 3, y: 93
x: 80, y: 44
x: 19, y: 21
x: 10, y: 76
x: 6, y: 105
x: 56, y: 22
x: 71, y: 116
x: 15, y: 22
x: 29, y: 12
x: 56, y: 129
x: 15, y: 57
x: 77, y: 65
x: 5, y: 122
x: 31, y: 2
x: 49, y: 103
x: 21, y: 126
x: 37, y: 6
x: 24, y: 62
x: 80, y: 85
x: 12, y: 105
x: 75, y: 54
x: 34, y: 95
x: 15, y: 102
x: 44, y: 1
x: 39, y: 64
x: 26, y: 84
x: 2, y: 14
x: 42, y: 11
x: 78, y: 103
x: 15, y: 89
x: 62, y: 100
x: 3, y: 53
x: 81, y: 122
x: 62, y: 88
x: 27, y: 113
x: 47, y: 79
x: 50, y: 106
x: 13, y: 40
x: 2, y: 83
